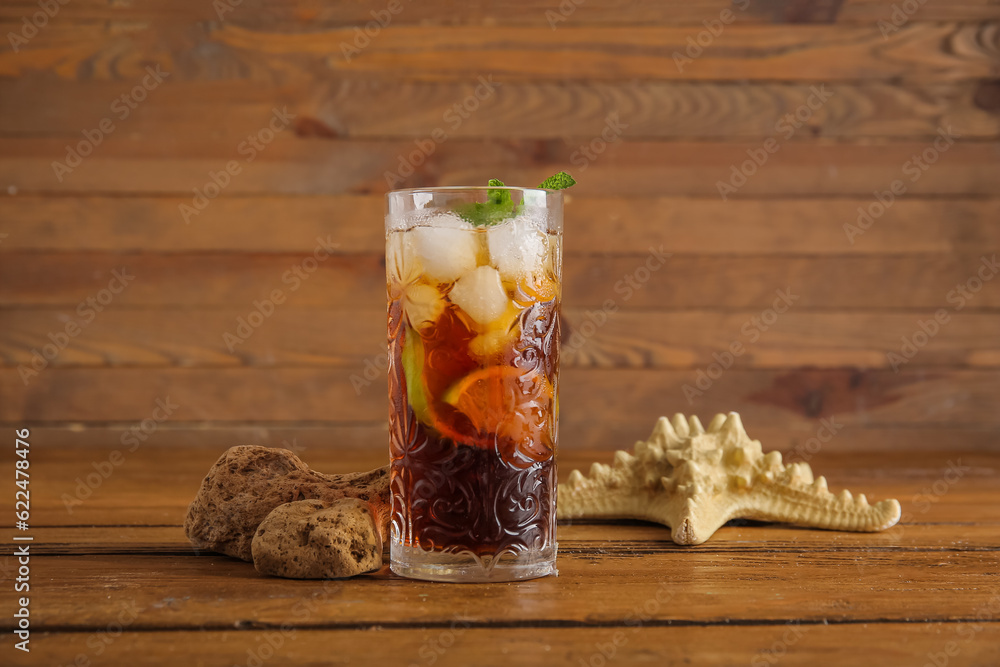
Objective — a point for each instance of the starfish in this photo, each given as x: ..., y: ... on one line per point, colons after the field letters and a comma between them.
x: 694, y: 480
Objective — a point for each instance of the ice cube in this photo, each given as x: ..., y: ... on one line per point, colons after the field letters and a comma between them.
x: 422, y: 304
x: 446, y: 252
x: 518, y: 247
x: 447, y: 220
x: 480, y: 294
x: 487, y: 345
x: 401, y: 263
x: 500, y: 335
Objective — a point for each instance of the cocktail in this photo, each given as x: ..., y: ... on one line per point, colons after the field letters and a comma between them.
x: 473, y: 277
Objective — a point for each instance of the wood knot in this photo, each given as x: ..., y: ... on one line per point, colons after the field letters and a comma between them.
x: 987, y: 96
x: 307, y: 126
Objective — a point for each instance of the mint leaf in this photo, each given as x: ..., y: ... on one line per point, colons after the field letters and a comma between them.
x: 498, y: 197
x: 483, y: 214
x: 499, y: 205
x: 559, y: 181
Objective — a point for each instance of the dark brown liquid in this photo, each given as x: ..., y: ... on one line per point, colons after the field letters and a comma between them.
x: 457, y: 485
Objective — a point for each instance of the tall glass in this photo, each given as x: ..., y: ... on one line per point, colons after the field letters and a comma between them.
x: 473, y: 382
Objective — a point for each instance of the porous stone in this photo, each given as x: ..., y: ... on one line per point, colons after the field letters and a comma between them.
x: 248, y: 482
x: 310, y: 539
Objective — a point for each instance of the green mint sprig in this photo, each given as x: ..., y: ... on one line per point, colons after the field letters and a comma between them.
x: 559, y: 181
x: 499, y: 206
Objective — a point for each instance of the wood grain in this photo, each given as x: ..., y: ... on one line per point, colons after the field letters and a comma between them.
x: 594, y: 225
x: 795, y: 643
x: 925, y: 583
x: 938, y: 52
x: 944, y: 51
x: 336, y: 440
x: 352, y: 281
x: 787, y: 398
x: 355, y: 339
x: 291, y: 165
x: 154, y: 482
x: 367, y: 108
x: 184, y: 592
x: 299, y: 15
x: 837, y: 339
x: 619, y: 539
x: 876, y: 10
x: 109, y: 546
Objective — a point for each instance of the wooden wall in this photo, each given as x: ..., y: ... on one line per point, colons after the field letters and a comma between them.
x: 561, y: 75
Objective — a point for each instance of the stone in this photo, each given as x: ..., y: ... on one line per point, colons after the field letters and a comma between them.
x: 311, y: 539
x: 248, y: 482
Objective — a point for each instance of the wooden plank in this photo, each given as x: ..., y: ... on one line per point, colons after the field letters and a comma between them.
x: 155, y: 479
x: 291, y: 165
x: 188, y: 338
x: 366, y: 109
x: 185, y: 591
x: 86, y: 223
x: 818, y: 340
x: 793, y: 643
x: 300, y: 15
x: 312, y: 439
x: 790, y: 398
x: 65, y: 280
x: 594, y: 225
x: 807, y: 53
x: 361, y: 442
x: 612, y: 539
x: 355, y: 339
x: 882, y: 10
x: 944, y: 51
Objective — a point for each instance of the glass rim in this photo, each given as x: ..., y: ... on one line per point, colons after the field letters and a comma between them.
x: 446, y: 188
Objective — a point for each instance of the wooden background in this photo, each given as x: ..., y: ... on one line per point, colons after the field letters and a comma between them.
x: 323, y: 176
x: 109, y: 544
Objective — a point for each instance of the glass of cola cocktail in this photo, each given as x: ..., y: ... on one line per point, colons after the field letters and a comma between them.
x: 473, y: 280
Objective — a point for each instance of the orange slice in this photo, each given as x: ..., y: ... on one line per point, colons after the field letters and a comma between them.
x: 513, y: 404
x: 534, y: 289
x: 426, y: 412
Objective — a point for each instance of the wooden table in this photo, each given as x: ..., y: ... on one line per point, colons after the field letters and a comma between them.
x: 114, y: 581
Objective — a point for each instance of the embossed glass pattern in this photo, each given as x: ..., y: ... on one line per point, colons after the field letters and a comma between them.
x: 473, y: 324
